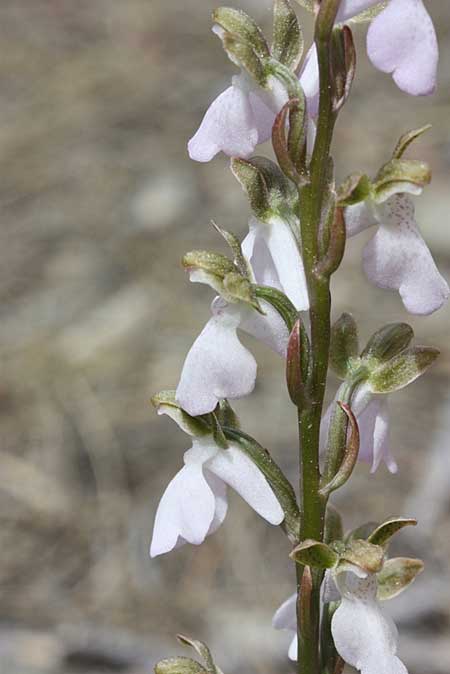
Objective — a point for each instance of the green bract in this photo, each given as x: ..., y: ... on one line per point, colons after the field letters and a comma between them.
x: 287, y: 45
x: 344, y: 345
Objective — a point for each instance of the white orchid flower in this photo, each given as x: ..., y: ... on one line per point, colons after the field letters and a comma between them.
x: 401, y: 41
x: 364, y: 634
x: 194, y: 504
x: 372, y: 414
x: 242, y: 116
x: 397, y: 257
x: 218, y: 364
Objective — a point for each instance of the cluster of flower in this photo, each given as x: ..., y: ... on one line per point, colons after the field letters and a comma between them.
x: 401, y: 40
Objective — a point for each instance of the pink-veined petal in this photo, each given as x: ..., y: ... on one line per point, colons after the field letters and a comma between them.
x: 186, y: 511
x: 240, y: 473
x: 218, y: 365
x: 402, y: 41
x: 364, y: 636
x: 229, y: 126
x: 398, y: 258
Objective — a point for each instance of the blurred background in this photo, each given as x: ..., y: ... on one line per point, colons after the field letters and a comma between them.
x: 98, y: 203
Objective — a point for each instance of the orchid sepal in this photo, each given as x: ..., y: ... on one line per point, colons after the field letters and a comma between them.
x: 287, y: 45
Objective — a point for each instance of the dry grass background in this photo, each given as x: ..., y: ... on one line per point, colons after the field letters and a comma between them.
x: 98, y: 202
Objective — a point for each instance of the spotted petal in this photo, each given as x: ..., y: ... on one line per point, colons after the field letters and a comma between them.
x: 398, y: 258
x: 218, y: 365
x: 402, y: 41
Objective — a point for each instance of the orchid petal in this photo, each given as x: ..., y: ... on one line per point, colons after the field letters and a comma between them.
x: 269, y: 329
x: 255, y: 250
x: 293, y: 649
x: 240, y: 473
x: 229, y: 126
x: 398, y: 258
x: 329, y: 589
x: 218, y: 365
x: 219, y: 490
x: 286, y: 256
x: 186, y: 511
x: 364, y: 636
x: 402, y: 41
x: 350, y: 8
x: 358, y: 218
x: 264, y: 117
x: 285, y: 617
x: 373, y: 425
x: 309, y: 81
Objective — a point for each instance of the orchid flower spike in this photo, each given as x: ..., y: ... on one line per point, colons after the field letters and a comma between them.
x: 364, y: 635
x: 401, y: 41
x: 397, y: 257
x: 242, y: 116
x: 194, y: 503
x: 218, y: 365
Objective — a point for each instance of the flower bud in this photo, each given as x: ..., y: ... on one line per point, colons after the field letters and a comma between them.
x: 343, y: 65
x: 291, y: 151
x: 297, y: 364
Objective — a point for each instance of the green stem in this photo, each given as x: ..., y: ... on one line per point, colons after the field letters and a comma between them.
x: 311, y: 202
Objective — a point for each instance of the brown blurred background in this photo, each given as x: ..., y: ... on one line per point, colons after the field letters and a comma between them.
x: 98, y: 202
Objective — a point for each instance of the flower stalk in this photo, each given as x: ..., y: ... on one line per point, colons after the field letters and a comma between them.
x: 311, y: 202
